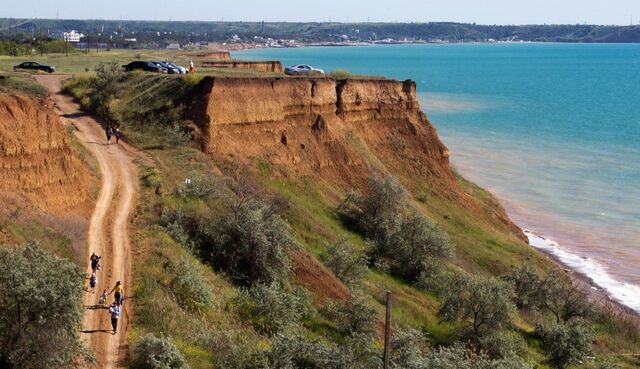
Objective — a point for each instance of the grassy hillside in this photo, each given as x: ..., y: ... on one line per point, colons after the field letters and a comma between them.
x: 196, y: 214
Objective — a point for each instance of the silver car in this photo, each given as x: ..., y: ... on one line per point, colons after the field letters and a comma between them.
x: 302, y: 69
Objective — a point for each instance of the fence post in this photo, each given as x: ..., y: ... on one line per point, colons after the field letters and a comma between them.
x: 387, y: 332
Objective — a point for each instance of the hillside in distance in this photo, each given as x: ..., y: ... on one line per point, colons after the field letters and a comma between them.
x: 185, y: 32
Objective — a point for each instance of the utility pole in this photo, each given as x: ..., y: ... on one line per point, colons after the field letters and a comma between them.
x: 387, y: 332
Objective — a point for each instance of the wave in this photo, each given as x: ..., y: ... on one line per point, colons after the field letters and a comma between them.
x: 625, y: 293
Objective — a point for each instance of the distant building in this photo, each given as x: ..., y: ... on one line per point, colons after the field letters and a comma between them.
x: 72, y: 36
x: 173, y: 47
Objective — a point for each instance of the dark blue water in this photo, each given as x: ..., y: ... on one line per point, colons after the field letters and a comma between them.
x: 552, y: 129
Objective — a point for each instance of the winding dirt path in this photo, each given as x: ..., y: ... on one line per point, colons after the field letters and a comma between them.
x: 108, y: 229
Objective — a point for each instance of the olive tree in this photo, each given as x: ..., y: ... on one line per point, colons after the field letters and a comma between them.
x: 153, y: 352
x: 483, y: 304
x: 41, y: 309
x: 567, y: 343
x: 563, y: 299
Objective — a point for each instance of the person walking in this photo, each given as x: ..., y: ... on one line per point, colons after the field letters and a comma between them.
x: 118, y: 134
x: 95, y: 262
x: 119, y: 293
x: 109, y: 133
x: 114, y: 309
x: 93, y: 281
x: 192, y: 67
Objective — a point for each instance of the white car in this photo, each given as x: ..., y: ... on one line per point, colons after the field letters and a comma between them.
x: 302, y: 69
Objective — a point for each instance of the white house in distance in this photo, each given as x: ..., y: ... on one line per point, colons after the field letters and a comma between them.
x: 72, y: 36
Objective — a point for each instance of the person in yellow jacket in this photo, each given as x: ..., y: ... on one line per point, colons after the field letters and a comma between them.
x: 119, y: 293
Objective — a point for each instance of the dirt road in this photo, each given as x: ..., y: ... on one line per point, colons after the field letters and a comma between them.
x: 108, y: 230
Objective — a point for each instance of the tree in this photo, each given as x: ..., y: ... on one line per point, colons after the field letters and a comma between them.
x: 188, y: 286
x: 348, y: 265
x: 250, y: 245
x: 271, y: 309
x: 567, y: 343
x: 376, y: 211
x: 41, y: 305
x: 355, y: 316
x: 528, y: 287
x: 153, y: 352
x: 485, y: 304
x: 563, y: 299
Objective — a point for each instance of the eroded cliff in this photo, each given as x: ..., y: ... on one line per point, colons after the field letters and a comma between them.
x: 339, y: 131
x: 37, y: 165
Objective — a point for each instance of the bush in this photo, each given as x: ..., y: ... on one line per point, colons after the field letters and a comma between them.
x: 249, y: 245
x: 41, y: 305
x: 457, y: 357
x: 502, y: 344
x: 199, y: 186
x: 355, y: 316
x: 412, y: 246
x: 408, y: 349
x: 188, y: 286
x: 157, y: 353
x: 349, y: 266
x: 528, y: 287
x: 563, y: 299
x: 340, y: 74
x: 405, y: 245
x: 271, y: 309
x: 483, y: 304
x: 566, y: 343
x: 375, y: 213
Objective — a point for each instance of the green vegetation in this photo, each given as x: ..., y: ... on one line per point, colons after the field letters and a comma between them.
x: 41, y: 306
x: 233, y: 230
x: 157, y: 353
x: 22, y: 84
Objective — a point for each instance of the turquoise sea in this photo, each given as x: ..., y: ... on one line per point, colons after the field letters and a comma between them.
x: 553, y: 130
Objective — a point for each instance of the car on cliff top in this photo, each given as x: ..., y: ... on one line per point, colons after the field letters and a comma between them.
x: 302, y: 69
x: 146, y: 66
x: 29, y: 65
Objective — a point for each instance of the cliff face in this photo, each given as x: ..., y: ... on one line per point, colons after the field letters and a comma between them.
x: 338, y: 131
x: 259, y: 66
x: 36, y: 160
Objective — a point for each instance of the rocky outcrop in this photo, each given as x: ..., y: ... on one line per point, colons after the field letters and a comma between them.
x: 258, y: 66
x: 37, y: 163
x: 216, y: 55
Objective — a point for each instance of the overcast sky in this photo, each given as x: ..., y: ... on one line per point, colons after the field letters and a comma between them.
x: 479, y: 11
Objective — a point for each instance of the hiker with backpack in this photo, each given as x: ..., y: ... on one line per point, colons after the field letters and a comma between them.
x: 114, y: 309
x: 119, y: 293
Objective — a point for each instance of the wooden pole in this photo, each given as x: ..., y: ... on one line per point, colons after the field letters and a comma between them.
x: 387, y: 332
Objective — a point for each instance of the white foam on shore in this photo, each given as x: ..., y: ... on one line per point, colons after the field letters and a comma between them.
x: 625, y: 293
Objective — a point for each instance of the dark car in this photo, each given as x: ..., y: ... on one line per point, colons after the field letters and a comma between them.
x: 171, y: 68
x: 35, y: 66
x: 144, y: 66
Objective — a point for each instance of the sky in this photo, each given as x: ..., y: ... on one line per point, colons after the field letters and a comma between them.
x: 619, y: 12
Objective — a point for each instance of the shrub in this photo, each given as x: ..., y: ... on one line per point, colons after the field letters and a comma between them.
x: 457, y: 357
x: 249, y: 245
x: 563, y: 299
x: 566, y: 343
x: 188, y: 286
x: 340, y: 74
x: 353, y: 316
x: 528, y: 287
x: 157, y: 353
x: 345, y: 263
x: 501, y: 344
x: 412, y: 246
x: 483, y: 304
x: 271, y: 309
x: 41, y: 305
x: 375, y: 213
x: 199, y: 186
x: 408, y: 349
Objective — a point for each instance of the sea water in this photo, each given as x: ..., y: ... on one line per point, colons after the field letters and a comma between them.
x: 552, y: 129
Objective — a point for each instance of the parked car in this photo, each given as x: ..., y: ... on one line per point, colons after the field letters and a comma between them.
x: 172, y: 68
x: 35, y: 66
x: 302, y: 69
x: 146, y: 66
